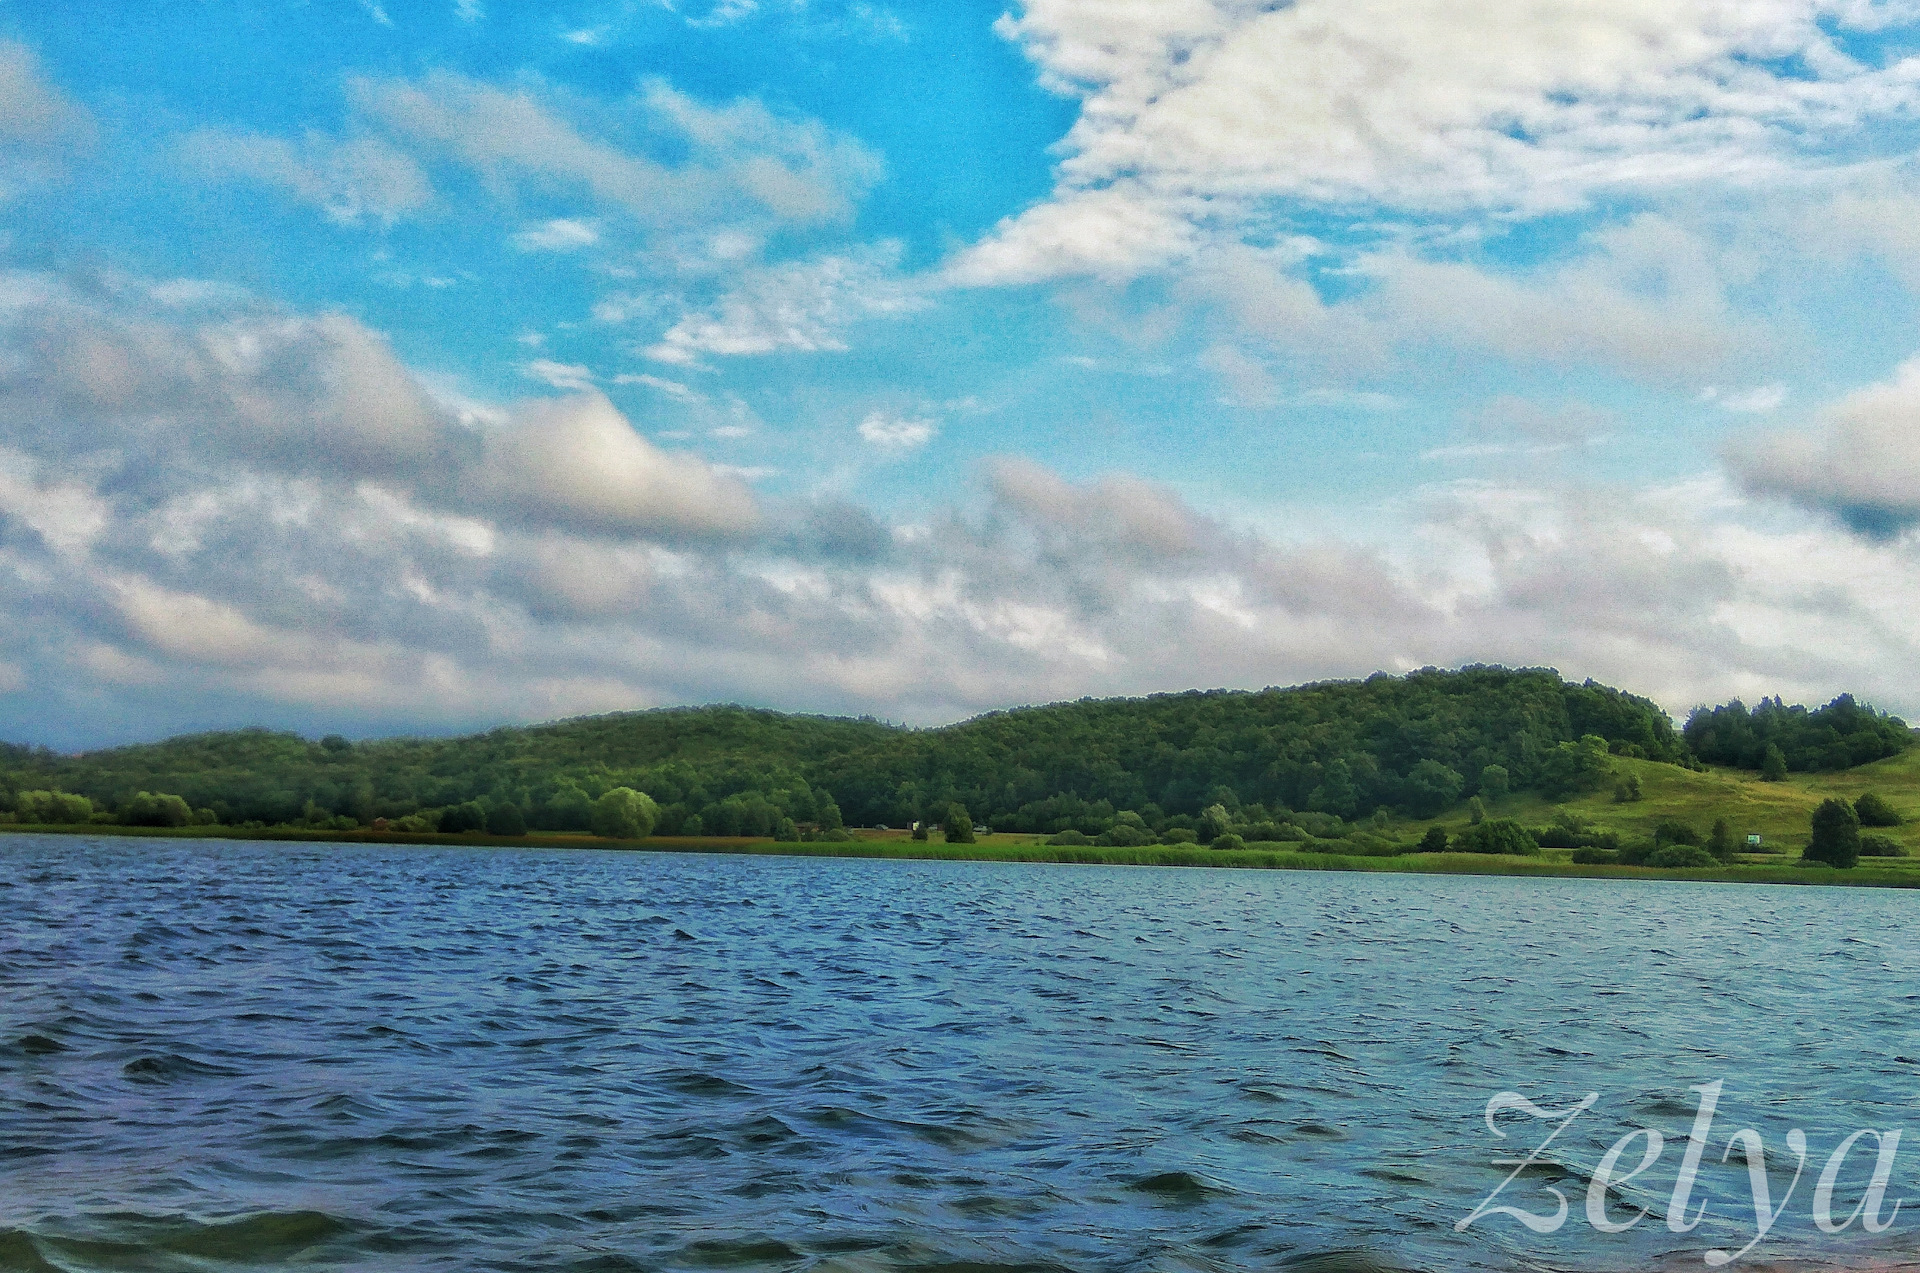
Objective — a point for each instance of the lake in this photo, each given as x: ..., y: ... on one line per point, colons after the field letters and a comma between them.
x: 219, y: 1054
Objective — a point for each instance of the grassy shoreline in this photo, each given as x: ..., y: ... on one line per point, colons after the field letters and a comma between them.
x: 1030, y: 849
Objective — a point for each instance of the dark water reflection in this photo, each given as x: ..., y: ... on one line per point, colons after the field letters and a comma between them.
x: 218, y: 1055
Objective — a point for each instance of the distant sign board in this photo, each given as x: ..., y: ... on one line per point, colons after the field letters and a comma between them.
x: 1753, y: 839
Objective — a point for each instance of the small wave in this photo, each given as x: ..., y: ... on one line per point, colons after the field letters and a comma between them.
x: 169, y: 1066
x: 1176, y: 1184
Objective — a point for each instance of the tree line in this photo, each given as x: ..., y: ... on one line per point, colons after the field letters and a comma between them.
x: 1319, y: 759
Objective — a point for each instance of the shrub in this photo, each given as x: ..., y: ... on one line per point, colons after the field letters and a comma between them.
x: 1836, y: 835
x: 1077, y: 838
x: 413, y: 824
x: 1497, y: 835
x: 1873, y: 811
x: 1881, y: 846
x: 459, y: 818
x: 1125, y: 835
x: 1178, y: 835
x: 625, y: 814
x: 1673, y: 831
x: 1628, y: 790
x: 920, y: 831
x: 958, y: 827
x: 148, y: 809
x: 1681, y: 855
x: 1228, y: 841
x: 1720, y: 841
x: 506, y: 819
x: 1434, y: 841
x: 53, y: 808
x: 1476, y: 811
x: 1595, y: 857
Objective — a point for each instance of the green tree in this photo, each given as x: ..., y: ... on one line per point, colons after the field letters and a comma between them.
x: 469, y: 815
x: 1476, y: 812
x: 625, y: 814
x: 506, y: 819
x: 1773, y: 765
x: 1495, y: 782
x: 1874, y: 811
x: 920, y: 830
x: 958, y: 827
x: 150, y: 810
x: 1628, y: 790
x: 1434, y: 841
x: 1432, y: 786
x: 1228, y: 841
x: 1720, y: 841
x: 1497, y: 835
x: 1836, y: 835
x: 1215, y: 822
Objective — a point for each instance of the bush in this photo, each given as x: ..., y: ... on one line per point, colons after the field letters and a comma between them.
x: 1881, y: 846
x: 920, y: 831
x: 1773, y: 765
x: 413, y: 824
x: 1228, y: 841
x: 1628, y: 790
x: 1674, y: 831
x: 1836, y: 835
x: 1125, y: 835
x: 1497, y: 835
x: 1681, y: 855
x: 507, y: 819
x: 460, y: 818
x: 1595, y: 857
x: 1074, y: 838
x: 1178, y: 835
x: 958, y: 827
x: 1476, y: 811
x: 148, y: 809
x: 53, y: 808
x: 625, y: 814
x: 1434, y: 841
x: 1873, y: 811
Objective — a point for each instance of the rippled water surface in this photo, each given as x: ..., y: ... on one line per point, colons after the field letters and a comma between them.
x: 220, y: 1055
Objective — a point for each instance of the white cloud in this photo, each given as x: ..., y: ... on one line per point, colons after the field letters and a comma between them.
x: 800, y: 307
x: 32, y: 109
x: 569, y: 376
x: 469, y: 10
x: 896, y: 433
x: 1206, y: 110
x: 349, y: 179
x: 790, y: 169
x: 559, y: 235
x: 1756, y: 401
x: 1858, y: 459
x: 577, y: 462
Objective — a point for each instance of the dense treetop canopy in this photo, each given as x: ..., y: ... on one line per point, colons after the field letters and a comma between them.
x: 1418, y: 743
x: 1840, y: 735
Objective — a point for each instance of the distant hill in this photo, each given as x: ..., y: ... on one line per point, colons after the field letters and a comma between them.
x: 1417, y: 745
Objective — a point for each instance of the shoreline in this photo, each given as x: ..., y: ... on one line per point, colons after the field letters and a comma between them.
x: 1029, y: 851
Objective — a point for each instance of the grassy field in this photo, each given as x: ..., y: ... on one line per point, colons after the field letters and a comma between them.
x: 1778, y: 812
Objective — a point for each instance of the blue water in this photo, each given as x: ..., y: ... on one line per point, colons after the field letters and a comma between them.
x: 222, y: 1055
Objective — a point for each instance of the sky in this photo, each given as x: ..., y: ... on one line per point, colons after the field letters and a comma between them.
x: 417, y: 366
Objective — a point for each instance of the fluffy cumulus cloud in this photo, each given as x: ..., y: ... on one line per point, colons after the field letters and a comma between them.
x: 1858, y: 460
x: 269, y: 512
x: 1199, y: 115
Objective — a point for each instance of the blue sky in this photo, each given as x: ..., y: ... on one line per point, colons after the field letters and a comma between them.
x: 414, y: 367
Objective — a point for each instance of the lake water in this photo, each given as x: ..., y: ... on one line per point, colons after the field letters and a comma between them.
x: 220, y: 1055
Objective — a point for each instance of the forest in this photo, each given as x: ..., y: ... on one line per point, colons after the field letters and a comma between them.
x: 1322, y: 755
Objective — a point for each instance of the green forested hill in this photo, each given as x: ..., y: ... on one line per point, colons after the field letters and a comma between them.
x: 1417, y: 744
